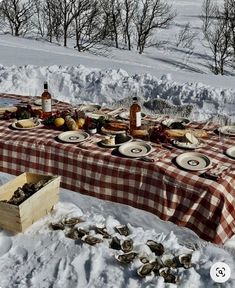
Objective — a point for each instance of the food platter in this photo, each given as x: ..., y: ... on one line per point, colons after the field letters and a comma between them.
x: 193, y: 161
x: 135, y: 149
x: 125, y: 115
x: 114, y: 128
x: 227, y: 130
x: 73, y: 136
x: 128, y: 138
x: 231, y: 152
x: 38, y: 102
x: 174, y: 121
x: 37, y: 125
x: 188, y: 145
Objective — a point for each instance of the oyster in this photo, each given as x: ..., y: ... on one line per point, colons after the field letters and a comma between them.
x: 75, y: 233
x: 145, y: 269
x: 127, y: 245
x: 123, y: 230
x: 126, y: 258
x: 57, y: 226
x: 115, y: 243
x: 185, y: 260
x: 70, y: 222
x: 103, y: 231
x: 168, y: 277
x: 155, y: 247
x: 91, y: 240
x: 169, y: 260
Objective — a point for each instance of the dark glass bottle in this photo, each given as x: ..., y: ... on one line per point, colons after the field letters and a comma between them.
x: 46, y: 102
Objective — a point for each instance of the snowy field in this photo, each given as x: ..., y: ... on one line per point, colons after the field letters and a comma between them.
x: 41, y: 258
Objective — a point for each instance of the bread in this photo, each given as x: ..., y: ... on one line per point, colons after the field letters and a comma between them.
x: 25, y: 123
x: 174, y: 133
x: 70, y: 123
x: 109, y: 140
x: 116, y: 126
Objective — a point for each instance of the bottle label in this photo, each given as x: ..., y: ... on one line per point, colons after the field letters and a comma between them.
x: 46, y: 105
x: 138, y: 119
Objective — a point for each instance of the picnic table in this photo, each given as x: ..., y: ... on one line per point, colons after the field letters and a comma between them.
x: 184, y: 197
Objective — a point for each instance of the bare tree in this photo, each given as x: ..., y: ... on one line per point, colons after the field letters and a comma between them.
x: 151, y: 15
x: 217, y: 35
x: 186, y: 37
x: 18, y: 14
x: 229, y: 11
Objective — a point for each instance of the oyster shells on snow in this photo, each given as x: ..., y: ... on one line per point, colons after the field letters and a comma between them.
x: 127, y: 245
x: 155, y: 247
x: 185, y: 260
x: 91, y: 240
x: 115, y: 243
x: 126, y: 258
x: 57, y: 226
x: 70, y: 222
x: 123, y: 230
x: 145, y: 269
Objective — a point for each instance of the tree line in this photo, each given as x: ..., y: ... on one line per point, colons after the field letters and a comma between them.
x: 126, y: 23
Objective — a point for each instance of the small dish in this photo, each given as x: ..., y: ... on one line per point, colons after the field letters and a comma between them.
x: 231, y: 152
x: 227, y: 130
x: 173, y: 122
x: 135, y: 149
x: 14, y: 125
x: 193, y: 161
x: 73, y: 136
x: 126, y: 115
x: 38, y: 102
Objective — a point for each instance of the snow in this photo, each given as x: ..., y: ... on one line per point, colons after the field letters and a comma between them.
x: 44, y: 258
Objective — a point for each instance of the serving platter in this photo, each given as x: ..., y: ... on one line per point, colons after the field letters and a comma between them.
x: 227, y: 130
x: 168, y: 122
x: 128, y: 139
x: 231, y: 152
x: 188, y: 145
x: 135, y: 149
x: 73, y: 136
x: 193, y: 161
x: 37, y: 125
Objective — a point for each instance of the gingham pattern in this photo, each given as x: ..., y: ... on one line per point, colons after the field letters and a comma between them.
x: 185, y: 198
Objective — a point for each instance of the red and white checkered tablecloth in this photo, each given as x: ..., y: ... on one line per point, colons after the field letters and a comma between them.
x: 185, y: 198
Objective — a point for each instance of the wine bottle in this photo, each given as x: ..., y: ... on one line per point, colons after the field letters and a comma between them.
x: 46, y: 102
x: 135, y: 115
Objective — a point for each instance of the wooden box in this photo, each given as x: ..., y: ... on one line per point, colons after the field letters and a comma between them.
x: 18, y: 218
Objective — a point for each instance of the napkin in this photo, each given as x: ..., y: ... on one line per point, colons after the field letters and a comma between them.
x: 218, y: 171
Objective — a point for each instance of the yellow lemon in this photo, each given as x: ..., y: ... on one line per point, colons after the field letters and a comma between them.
x: 59, y: 121
x: 80, y: 122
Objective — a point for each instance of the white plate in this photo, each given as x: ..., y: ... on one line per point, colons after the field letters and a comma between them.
x: 193, y: 161
x: 126, y: 115
x: 129, y: 138
x: 168, y: 122
x: 135, y: 149
x: 188, y: 145
x: 227, y: 130
x: 89, y: 108
x: 38, y: 102
x: 73, y: 136
x: 231, y: 152
x: 19, y: 128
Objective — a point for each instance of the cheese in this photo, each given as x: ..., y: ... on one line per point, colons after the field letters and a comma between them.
x: 25, y: 123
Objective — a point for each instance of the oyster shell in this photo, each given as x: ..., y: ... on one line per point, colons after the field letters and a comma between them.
x: 115, y: 243
x: 91, y: 240
x: 169, y: 260
x: 75, y: 233
x: 168, y: 277
x: 144, y: 259
x: 126, y: 258
x: 103, y: 231
x: 145, y: 270
x: 185, y: 260
x: 127, y: 245
x: 155, y: 247
x: 123, y: 230
x: 70, y: 222
x: 57, y: 226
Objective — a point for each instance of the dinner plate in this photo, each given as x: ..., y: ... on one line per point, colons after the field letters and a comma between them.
x: 188, y: 145
x: 38, y: 124
x: 73, y: 136
x: 128, y: 139
x: 135, y: 149
x: 231, y: 152
x: 193, y: 161
x: 38, y: 102
x: 227, y: 130
x: 168, y: 122
x: 126, y: 115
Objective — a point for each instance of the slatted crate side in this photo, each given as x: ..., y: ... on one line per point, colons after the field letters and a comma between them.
x: 10, y: 217
x: 8, y: 189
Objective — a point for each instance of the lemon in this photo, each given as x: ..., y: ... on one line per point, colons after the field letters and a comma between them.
x: 59, y: 121
x: 80, y: 122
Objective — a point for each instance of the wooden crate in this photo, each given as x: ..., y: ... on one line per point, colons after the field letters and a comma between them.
x: 18, y: 218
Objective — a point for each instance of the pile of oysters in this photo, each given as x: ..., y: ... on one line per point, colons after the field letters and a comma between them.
x: 164, y: 263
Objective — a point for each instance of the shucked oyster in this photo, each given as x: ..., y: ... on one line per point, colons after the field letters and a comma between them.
x: 123, y: 230
x: 70, y: 222
x: 167, y: 275
x: 103, y: 231
x: 127, y: 245
x: 91, y: 240
x: 126, y: 258
x: 185, y: 260
x: 75, y: 233
x: 57, y: 226
x: 155, y: 247
x: 146, y: 269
